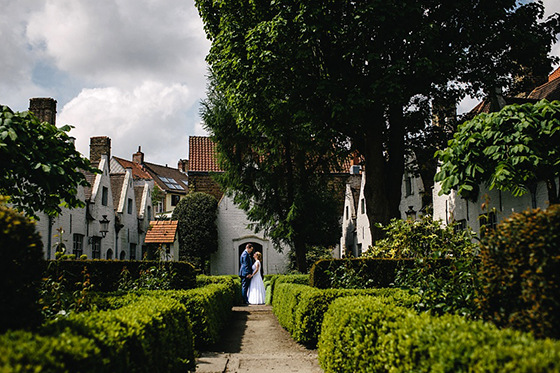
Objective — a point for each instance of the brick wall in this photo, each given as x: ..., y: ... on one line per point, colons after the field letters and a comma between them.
x: 204, y: 182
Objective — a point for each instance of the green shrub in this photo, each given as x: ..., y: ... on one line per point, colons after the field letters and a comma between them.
x: 370, y: 334
x: 520, y: 273
x: 422, y: 238
x: 284, y: 302
x: 24, y: 352
x: 149, y: 334
x: 356, y: 273
x: 208, y: 308
x: 106, y: 275
x: 21, y: 268
x: 281, y: 279
x: 231, y: 280
x: 445, y: 285
x: 314, y: 303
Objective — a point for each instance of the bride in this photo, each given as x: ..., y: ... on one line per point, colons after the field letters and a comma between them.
x: 256, y: 292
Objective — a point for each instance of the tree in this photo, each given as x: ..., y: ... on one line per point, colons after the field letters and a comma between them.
x: 280, y: 176
x: 41, y: 168
x: 508, y: 150
x: 366, y: 70
x: 198, y: 234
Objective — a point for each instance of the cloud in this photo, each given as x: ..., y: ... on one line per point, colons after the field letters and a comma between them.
x: 119, y: 42
x: 151, y: 115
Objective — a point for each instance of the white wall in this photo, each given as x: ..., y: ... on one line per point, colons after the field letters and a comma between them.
x: 233, y: 232
x: 452, y: 207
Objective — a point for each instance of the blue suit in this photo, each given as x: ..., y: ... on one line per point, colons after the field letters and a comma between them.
x: 245, y: 269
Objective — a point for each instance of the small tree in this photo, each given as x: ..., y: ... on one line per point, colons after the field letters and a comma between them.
x: 507, y: 150
x: 198, y: 234
x: 41, y: 168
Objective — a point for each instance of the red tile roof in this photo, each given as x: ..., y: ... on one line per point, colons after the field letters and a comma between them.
x: 161, y: 232
x: 549, y: 90
x: 555, y: 75
x: 138, y: 171
x: 202, y: 155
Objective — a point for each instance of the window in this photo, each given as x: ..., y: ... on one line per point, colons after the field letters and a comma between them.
x: 346, y: 212
x: 104, y: 196
x: 149, y: 213
x: 408, y: 185
x: 461, y: 225
x: 487, y: 222
x: 171, y: 183
x: 78, y: 245
x: 159, y: 207
x: 132, y: 251
x: 129, y: 206
x: 175, y: 199
x: 96, y: 247
x: 363, y: 206
x: 123, y: 255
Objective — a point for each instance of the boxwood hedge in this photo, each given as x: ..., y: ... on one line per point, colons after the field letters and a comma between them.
x: 367, y: 334
x: 300, y: 309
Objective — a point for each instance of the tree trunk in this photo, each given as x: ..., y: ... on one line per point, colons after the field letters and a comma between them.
x: 553, y: 193
x: 384, y: 172
x: 301, y: 251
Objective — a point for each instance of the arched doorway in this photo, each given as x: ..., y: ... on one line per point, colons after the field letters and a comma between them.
x: 256, y: 247
x: 123, y: 255
x: 109, y: 254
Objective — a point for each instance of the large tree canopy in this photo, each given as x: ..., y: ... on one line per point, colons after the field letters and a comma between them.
x: 508, y: 150
x: 280, y: 176
x: 41, y: 168
x: 366, y: 70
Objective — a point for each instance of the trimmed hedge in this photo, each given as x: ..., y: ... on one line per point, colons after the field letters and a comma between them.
x: 25, y: 352
x: 377, y: 273
x: 273, y: 280
x: 520, y: 273
x: 231, y: 280
x: 208, y: 308
x: 105, y: 274
x: 367, y: 334
x: 21, y: 265
x: 300, y: 309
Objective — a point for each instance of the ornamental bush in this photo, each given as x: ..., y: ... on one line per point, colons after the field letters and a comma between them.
x: 198, y: 234
x: 520, y: 273
x: 371, y: 334
x: 21, y: 269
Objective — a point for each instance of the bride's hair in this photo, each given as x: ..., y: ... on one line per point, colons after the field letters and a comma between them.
x: 259, y: 256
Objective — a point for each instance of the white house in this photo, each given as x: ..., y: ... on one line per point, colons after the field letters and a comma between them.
x: 232, y: 222
x: 356, y: 230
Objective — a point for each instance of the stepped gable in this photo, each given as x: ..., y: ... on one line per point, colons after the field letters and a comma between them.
x: 549, y: 90
x: 202, y: 155
x: 161, y: 232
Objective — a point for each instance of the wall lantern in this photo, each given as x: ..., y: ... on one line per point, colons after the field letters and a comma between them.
x: 104, y: 226
x: 410, y: 213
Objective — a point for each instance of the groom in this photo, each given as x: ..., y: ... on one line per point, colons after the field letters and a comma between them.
x: 245, y: 271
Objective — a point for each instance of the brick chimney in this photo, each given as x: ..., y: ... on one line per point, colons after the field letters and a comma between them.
x: 98, y: 146
x: 44, y: 109
x: 183, y: 165
x: 138, y: 157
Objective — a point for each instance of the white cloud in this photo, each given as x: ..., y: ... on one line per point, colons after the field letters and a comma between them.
x: 152, y: 116
x: 119, y: 42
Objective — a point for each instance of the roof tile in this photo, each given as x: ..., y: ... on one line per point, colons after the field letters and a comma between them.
x: 161, y: 232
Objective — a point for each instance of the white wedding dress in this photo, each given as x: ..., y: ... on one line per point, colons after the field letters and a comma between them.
x: 256, y: 287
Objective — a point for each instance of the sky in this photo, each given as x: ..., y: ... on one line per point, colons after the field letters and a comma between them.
x: 133, y: 70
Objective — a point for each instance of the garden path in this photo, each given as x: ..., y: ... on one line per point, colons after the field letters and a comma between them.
x: 254, y: 342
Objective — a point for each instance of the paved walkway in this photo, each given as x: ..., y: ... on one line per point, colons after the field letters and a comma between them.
x: 254, y: 342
